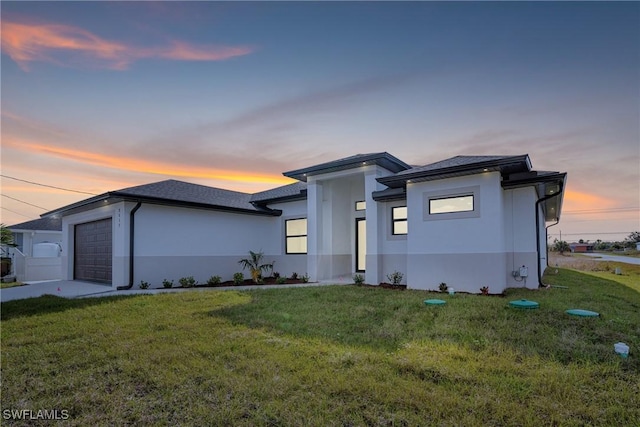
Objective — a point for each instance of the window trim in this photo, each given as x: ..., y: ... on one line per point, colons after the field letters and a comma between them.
x: 287, y: 236
x: 432, y: 199
x: 394, y: 221
x: 473, y: 191
x: 356, y: 205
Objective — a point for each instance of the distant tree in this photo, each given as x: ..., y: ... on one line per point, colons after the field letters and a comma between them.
x: 561, y: 246
x: 632, y: 239
x: 581, y: 241
x: 7, y: 236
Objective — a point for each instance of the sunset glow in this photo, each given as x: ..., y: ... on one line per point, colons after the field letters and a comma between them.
x: 26, y: 43
x: 100, y: 96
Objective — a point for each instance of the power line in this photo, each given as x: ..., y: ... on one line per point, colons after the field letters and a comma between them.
x: 48, y: 186
x: 17, y: 213
x: 603, y: 209
x: 590, y: 234
x: 26, y: 203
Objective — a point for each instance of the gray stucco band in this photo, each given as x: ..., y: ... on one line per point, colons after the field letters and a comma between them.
x: 464, y: 272
x: 154, y: 269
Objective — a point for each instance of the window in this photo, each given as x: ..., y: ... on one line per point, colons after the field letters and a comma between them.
x: 296, y: 236
x: 361, y: 205
x: 454, y: 204
x: 399, y: 220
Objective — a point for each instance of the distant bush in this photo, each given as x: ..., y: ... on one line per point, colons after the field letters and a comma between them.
x: 281, y: 280
x: 214, y: 280
x: 238, y: 278
x: 358, y: 279
x: 305, y: 278
x: 144, y: 285
x: 294, y: 276
x: 167, y: 284
x: 443, y: 287
x: 187, y: 282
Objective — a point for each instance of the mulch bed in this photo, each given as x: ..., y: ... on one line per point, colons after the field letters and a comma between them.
x: 386, y: 286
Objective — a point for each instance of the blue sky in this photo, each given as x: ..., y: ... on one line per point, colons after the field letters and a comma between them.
x: 98, y: 96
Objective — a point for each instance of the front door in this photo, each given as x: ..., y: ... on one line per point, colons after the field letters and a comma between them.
x: 361, y: 244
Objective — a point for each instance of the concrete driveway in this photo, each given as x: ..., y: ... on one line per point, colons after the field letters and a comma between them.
x: 77, y: 289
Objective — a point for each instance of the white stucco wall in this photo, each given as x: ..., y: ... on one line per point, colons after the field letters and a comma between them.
x: 174, y: 242
x: 520, y: 236
x: 466, y: 253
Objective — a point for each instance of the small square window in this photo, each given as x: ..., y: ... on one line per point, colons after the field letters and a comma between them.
x: 296, y: 236
x: 399, y: 223
x: 361, y: 205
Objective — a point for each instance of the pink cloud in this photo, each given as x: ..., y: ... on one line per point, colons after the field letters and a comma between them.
x: 26, y: 43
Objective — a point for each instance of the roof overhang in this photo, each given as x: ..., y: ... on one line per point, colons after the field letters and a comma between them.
x: 385, y: 160
x: 505, y: 166
x: 549, y: 185
x: 114, y: 197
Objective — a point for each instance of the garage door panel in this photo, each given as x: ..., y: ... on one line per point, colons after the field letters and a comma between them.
x: 93, y: 251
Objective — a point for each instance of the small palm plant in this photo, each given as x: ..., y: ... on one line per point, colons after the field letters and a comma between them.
x: 256, y: 265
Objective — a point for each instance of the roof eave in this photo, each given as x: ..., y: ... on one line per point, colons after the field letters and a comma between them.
x: 384, y: 160
x: 395, y: 181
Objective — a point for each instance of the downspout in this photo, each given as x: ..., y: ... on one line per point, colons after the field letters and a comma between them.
x: 546, y: 237
x: 132, y: 227
x: 545, y: 198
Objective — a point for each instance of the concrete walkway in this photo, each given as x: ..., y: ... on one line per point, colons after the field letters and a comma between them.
x: 77, y: 289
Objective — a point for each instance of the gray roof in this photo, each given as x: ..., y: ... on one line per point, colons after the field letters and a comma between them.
x: 459, y: 166
x: 383, y: 159
x: 297, y: 190
x: 176, y: 193
x: 181, y: 191
x: 41, y: 224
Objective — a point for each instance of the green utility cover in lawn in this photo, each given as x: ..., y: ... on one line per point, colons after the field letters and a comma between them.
x: 523, y: 303
x: 582, y: 313
x: 434, y: 302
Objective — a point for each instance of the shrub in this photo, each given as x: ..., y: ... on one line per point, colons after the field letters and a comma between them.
x: 443, y: 287
x: 187, y: 282
x: 144, y: 285
x: 484, y: 290
x: 238, y: 278
x: 305, y: 278
x: 294, y: 276
x: 358, y: 279
x: 167, y: 284
x: 276, y: 275
x: 281, y: 280
x: 395, y: 278
x: 214, y: 280
x: 256, y: 266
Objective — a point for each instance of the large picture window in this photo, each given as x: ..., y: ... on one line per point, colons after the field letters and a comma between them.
x: 446, y: 205
x: 399, y: 223
x: 296, y: 236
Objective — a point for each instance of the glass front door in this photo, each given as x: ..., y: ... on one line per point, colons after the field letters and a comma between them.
x: 361, y: 243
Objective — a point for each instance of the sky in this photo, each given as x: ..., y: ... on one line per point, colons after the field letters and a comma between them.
x: 99, y: 96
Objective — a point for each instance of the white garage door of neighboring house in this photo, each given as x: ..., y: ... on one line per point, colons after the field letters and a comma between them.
x: 93, y: 251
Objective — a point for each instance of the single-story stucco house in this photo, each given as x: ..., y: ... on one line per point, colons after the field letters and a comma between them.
x: 468, y: 221
x: 38, y: 246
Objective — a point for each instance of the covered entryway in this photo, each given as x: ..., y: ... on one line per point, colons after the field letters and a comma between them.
x: 93, y: 251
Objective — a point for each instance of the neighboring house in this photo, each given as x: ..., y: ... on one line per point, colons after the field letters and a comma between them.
x: 581, y: 247
x: 37, y: 255
x: 468, y: 221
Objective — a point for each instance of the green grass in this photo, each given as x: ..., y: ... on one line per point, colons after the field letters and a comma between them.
x: 6, y: 285
x: 328, y: 356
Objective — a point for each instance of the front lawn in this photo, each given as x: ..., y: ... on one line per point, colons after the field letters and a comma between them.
x: 5, y: 285
x: 337, y: 355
